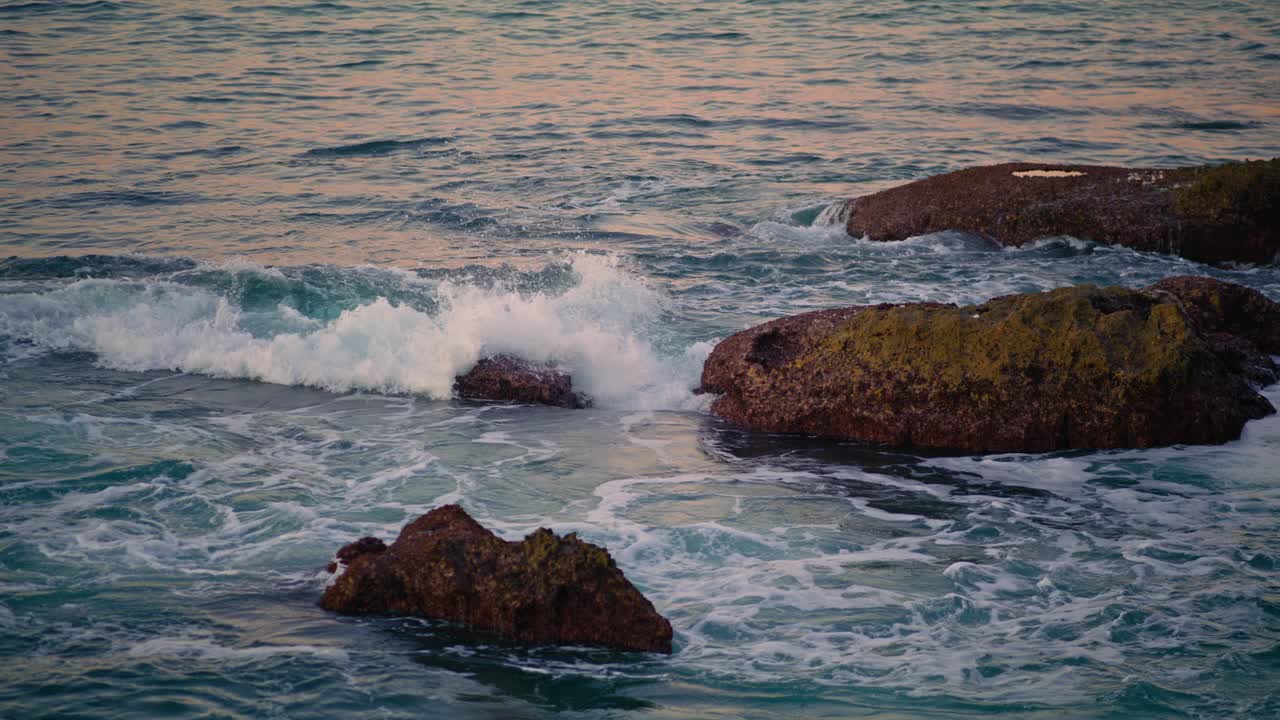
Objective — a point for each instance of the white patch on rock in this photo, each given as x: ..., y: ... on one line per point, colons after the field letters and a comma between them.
x: 1146, y: 178
x: 1048, y: 173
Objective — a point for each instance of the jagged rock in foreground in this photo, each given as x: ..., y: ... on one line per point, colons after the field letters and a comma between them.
x: 511, y: 379
x: 544, y: 589
x: 1209, y: 214
x: 1079, y: 367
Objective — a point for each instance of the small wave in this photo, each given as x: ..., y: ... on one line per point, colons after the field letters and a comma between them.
x: 787, y: 159
x: 186, y: 125
x: 1056, y: 246
x: 1020, y: 111
x: 773, y: 231
x: 1218, y: 125
x: 374, y: 148
x: 211, y: 99
x: 55, y: 7
x: 212, y: 152
x: 631, y: 188
x: 358, y: 64
x: 681, y: 119
x: 515, y: 15
x: 129, y: 198
x: 84, y: 266
x: 698, y: 34
x: 944, y: 243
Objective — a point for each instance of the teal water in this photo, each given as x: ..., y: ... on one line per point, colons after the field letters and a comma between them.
x: 252, y: 244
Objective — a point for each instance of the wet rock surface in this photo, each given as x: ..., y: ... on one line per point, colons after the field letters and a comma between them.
x: 543, y: 589
x: 1080, y: 367
x: 1240, y: 324
x: 506, y: 378
x: 1209, y: 214
x: 1218, y: 306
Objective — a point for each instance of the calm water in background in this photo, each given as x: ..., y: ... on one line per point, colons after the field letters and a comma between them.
x: 253, y: 244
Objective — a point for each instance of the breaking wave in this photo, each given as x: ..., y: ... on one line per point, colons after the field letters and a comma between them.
x: 397, y: 332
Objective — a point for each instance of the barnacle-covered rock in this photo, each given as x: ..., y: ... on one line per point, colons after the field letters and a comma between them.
x: 1225, y: 213
x: 1078, y: 367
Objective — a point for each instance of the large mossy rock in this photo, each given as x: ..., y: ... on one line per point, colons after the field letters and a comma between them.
x: 1079, y: 367
x: 1227, y: 213
x: 544, y: 589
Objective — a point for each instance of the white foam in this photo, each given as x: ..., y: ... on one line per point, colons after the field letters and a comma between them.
x: 1053, y: 241
x: 757, y: 603
x: 773, y: 231
x: 945, y: 242
x: 836, y: 214
x: 625, y: 192
x: 75, y: 502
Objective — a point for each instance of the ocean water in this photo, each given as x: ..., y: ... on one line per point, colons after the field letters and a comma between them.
x: 253, y: 243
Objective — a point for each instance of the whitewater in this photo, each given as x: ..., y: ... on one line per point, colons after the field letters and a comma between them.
x: 415, y: 345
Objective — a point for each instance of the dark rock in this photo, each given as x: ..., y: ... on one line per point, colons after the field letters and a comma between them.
x: 544, y: 589
x: 1209, y: 214
x: 350, y: 551
x: 1081, y: 367
x: 1219, y: 306
x: 511, y: 379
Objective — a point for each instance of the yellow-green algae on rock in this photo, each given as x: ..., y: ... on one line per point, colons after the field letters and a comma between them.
x: 1079, y: 367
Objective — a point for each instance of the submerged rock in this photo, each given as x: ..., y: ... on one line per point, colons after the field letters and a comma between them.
x: 1209, y: 214
x: 511, y: 379
x: 1080, y: 367
x: 544, y: 589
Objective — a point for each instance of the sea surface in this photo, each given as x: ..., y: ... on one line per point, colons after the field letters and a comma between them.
x: 252, y: 244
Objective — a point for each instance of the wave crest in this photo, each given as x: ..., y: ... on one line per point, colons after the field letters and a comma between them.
x: 601, y: 328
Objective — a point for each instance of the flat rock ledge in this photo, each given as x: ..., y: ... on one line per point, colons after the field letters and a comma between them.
x: 1077, y: 367
x: 1225, y: 213
x: 543, y: 589
x: 506, y: 378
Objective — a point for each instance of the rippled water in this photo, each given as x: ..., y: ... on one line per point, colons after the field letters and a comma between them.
x: 254, y: 243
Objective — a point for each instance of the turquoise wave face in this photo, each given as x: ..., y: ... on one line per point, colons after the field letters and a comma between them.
x: 252, y: 245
